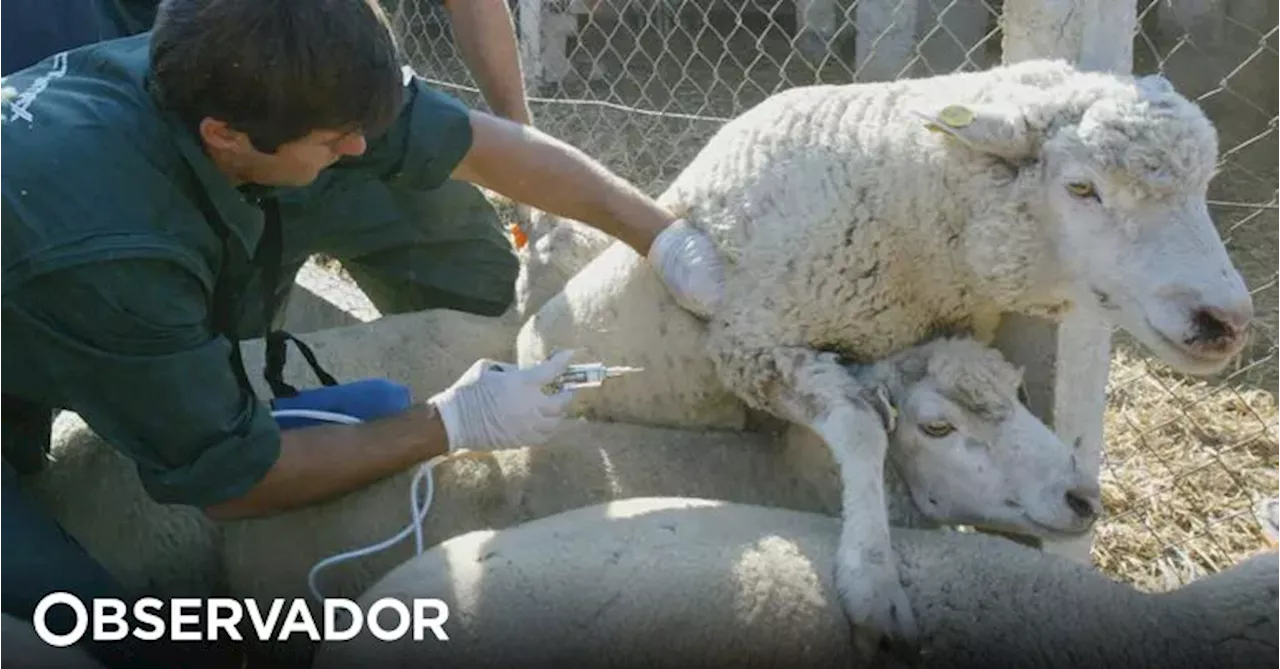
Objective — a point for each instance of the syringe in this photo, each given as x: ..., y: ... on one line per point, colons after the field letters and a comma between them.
x: 589, y: 375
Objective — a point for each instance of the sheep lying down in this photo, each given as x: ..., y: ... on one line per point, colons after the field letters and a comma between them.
x: 963, y: 450
x: 685, y: 582
x: 950, y: 463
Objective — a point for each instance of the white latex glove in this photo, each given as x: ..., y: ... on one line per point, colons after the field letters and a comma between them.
x: 690, y: 266
x: 497, y: 405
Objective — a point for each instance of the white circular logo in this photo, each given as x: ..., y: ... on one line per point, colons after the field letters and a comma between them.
x: 47, y: 635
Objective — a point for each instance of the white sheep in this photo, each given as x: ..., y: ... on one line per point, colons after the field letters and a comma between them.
x: 861, y: 219
x: 556, y: 249
x: 983, y: 460
x: 685, y: 582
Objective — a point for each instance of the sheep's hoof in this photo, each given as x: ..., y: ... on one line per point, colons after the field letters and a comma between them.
x: 881, y: 616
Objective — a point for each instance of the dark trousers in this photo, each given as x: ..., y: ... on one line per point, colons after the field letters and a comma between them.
x: 41, y: 558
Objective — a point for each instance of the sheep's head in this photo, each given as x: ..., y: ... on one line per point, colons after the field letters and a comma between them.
x: 1116, y: 187
x: 970, y: 451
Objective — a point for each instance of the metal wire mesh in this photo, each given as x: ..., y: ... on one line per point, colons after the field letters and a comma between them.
x: 641, y: 84
x: 1188, y: 461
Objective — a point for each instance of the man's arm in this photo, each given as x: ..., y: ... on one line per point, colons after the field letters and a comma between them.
x: 125, y: 345
x: 534, y: 168
x: 486, y: 38
x: 325, y: 461
x: 437, y: 138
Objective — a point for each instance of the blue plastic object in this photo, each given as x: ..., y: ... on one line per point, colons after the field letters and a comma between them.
x: 365, y: 399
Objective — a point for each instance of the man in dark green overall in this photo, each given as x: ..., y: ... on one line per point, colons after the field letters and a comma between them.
x: 143, y: 180
x: 444, y: 228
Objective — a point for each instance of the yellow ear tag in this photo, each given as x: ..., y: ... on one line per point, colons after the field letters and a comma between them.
x: 956, y: 116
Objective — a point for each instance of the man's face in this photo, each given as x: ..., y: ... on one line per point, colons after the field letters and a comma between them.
x: 295, y: 163
x: 299, y: 162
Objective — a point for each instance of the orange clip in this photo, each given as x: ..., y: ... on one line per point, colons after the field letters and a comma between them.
x: 518, y: 236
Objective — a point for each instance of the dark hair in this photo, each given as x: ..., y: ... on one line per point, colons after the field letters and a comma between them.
x: 277, y: 69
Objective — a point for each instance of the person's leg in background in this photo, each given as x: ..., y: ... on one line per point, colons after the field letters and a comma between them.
x: 407, y: 250
x: 412, y: 250
x: 459, y: 258
x: 41, y: 558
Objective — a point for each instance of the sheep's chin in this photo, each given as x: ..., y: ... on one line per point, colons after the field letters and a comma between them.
x: 1026, y: 526
x: 1017, y: 522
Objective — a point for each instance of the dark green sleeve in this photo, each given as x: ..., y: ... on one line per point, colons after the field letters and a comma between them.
x: 125, y: 344
x: 426, y: 142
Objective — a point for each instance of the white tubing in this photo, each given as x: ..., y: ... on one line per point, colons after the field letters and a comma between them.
x: 316, y: 414
x: 417, y: 513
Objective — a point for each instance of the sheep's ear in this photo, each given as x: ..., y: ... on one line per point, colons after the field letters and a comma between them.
x: 991, y: 128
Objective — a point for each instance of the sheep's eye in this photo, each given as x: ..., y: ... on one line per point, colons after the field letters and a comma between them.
x: 937, y: 428
x: 1082, y: 189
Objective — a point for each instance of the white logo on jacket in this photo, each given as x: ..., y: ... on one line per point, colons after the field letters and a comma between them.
x: 16, y: 105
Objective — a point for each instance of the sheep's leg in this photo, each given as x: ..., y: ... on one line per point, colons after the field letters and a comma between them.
x: 814, y: 390
x: 866, y: 571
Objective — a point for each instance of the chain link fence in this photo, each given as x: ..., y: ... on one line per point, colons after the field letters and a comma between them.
x: 1190, y: 461
x: 642, y: 84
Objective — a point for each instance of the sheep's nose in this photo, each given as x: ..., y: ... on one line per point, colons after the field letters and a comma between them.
x: 1085, y: 501
x: 1220, y: 327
